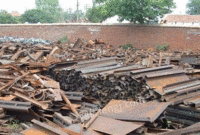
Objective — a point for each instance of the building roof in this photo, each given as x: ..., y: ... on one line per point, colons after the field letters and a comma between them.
x: 181, y: 19
x: 14, y: 14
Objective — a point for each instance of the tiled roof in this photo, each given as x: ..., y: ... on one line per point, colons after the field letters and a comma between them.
x: 182, y: 19
x: 15, y: 14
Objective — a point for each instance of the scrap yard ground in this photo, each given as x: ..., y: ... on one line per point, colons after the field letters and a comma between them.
x: 99, y: 79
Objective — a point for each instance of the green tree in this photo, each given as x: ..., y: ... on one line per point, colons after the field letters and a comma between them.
x: 71, y: 16
x: 6, y: 18
x: 136, y: 11
x: 37, y: 15
x: 52, y: 7
x: 193, y: 7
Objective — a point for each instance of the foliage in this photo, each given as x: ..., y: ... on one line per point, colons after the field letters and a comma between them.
x: 136, y: 11
x: 98, y: 14
x: 52, y: 7
x: 6, y: 18
x: 162, y: 47
x: 36, y: 15
x: 63, y: 40
x: 127, y: 46
x: 193, y: 7
x: 71, y: 16
x: 15, y: 124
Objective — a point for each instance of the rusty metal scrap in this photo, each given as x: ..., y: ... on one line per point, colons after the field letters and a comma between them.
x: 112, y: 126
x: 127, y: 110
x: 14, y: 105
x: 90, y: 86
x: 37, y: 103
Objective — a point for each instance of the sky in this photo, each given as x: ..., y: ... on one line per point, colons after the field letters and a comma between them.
x: 23, y: 5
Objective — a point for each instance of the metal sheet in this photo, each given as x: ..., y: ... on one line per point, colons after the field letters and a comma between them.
x: 130, y: 110
x: 158, y: 83
x: 114, y: 127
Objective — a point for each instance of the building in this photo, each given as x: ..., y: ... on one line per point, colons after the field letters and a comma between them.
x: 15, y: 14
x: 187, y: 20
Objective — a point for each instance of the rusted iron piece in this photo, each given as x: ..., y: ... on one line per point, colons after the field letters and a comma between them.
x: 17, y: 54
x: 130, y: 110
x: 8, y: 98
x: 89, y: 123
x: 15, y: 105
x: 112, y: 126
x: 10, y: 84
x: 181, y: 87
x: 77, y: 96
x: 188, y: 130
x: 57, y: 95
x: 180, y: 98
x: 48, y: 127
x: 61, y: 120
x: 34, y: 102
x: 68, y: 102
x: 157, y: 83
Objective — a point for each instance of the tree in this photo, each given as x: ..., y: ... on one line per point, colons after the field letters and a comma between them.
x: 193, y: 7
x: 52, y: 7
x: 6, y: 18
x: 37, y: 15
x: 71, y: 16
x: 136, y: 11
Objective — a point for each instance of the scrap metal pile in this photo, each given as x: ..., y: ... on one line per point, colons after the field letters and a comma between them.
x: 92, y: 88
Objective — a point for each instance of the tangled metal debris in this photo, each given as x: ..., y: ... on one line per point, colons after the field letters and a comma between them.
x: 93, y: 88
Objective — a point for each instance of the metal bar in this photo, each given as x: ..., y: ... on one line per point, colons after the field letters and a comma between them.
x: 165, y: 73
x: 61, y: 120
x: 89, y: 105
x: 106, y: 64
x: 68, y: 102
x: 100, y: 69
x: 13, y: 81
x: 88, y: 124
x: 191, y: 129
x: 48, y: 127
x: 181, y: 85
x: 181, y: 98
x: 96, y: 60
x: 188, y: 89
x: 152, y: 69
x: 74, y: 95
x: 15, y: 105
x: 35, y: 102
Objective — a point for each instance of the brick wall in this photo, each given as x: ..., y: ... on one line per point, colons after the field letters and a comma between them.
x: 177, y: 37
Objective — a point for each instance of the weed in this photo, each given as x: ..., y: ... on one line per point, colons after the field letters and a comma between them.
x: 162, y: 47
x: 127, y: 46
x: 63, y: 40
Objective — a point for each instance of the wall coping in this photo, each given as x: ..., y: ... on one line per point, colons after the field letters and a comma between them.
x: 99, y: 24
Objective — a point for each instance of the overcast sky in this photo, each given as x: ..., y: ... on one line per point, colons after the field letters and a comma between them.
x: 23, y: 5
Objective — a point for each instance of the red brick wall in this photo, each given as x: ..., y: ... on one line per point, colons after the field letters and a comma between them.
x: 177, y: 38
